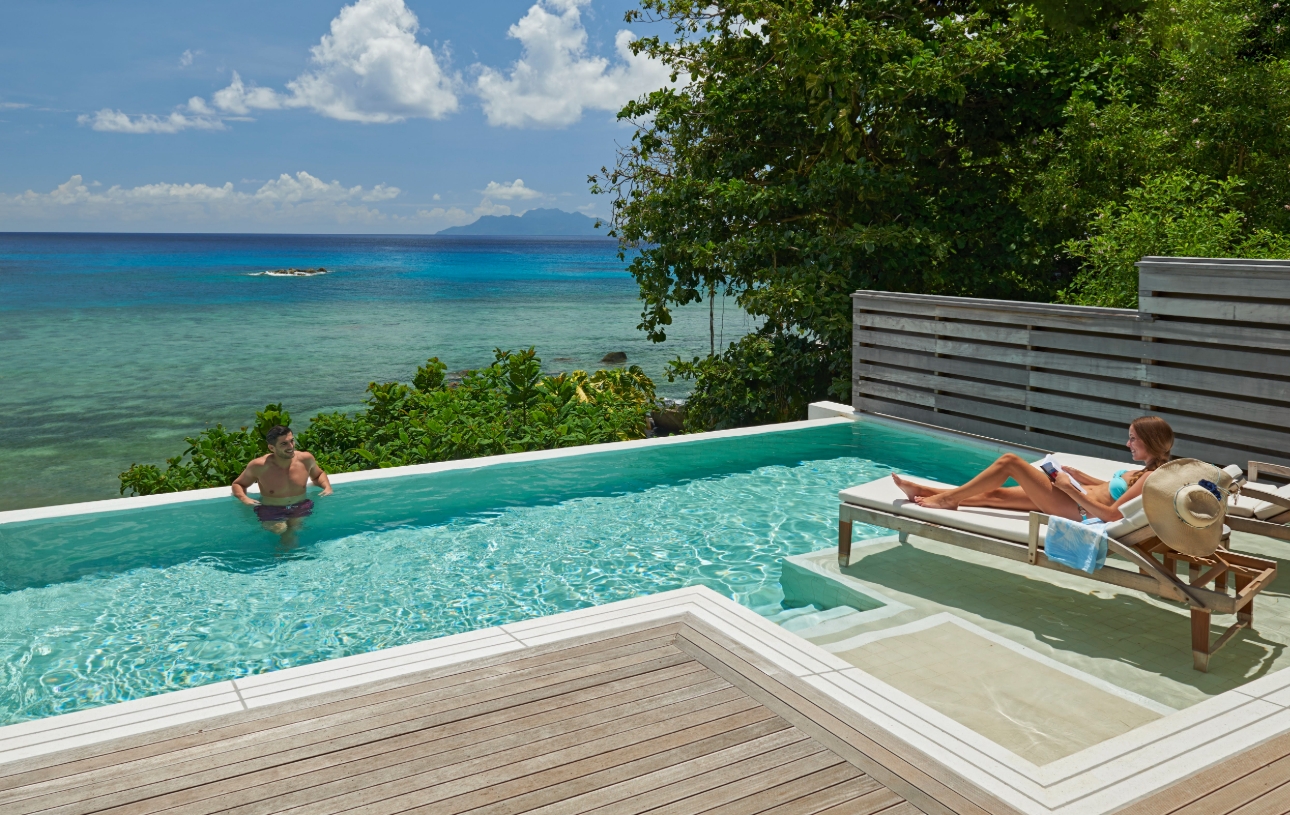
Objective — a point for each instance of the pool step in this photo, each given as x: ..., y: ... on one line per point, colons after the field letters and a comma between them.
x: 804, y: 623
x: 832, y: 626
x: 783, y: 615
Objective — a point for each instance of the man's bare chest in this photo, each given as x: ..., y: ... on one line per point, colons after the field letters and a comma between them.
x: 275, y: 480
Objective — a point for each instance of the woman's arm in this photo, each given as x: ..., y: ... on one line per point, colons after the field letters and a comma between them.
x: 1086, y: 502
x: 1103, y: 512
x: 1082, y: 477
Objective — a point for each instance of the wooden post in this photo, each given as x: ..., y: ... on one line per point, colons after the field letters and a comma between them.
x: 1246, y: 614
x: 1200, y: 639
x: 844, y: 543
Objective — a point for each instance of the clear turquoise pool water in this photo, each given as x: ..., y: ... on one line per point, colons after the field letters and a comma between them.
x: 107, y: 608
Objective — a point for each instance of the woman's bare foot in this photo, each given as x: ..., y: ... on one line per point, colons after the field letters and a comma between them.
x: 940, y: 500
x: 912, y: 490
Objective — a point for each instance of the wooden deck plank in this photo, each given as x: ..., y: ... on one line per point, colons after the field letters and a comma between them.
x: 722, y: 789
x: 1241, y: 791
x: 587, y: 775
x: 478, y: 677
x: 472, y: 772
x: 387, y: 720
x: 471, y: 776
x: 786, y: 790
x: 1273, y: 802
x: 661, y: 792
x: 333, y: 773
x: 444, y: 737
x: 709, y: 753
x: 863, y: 793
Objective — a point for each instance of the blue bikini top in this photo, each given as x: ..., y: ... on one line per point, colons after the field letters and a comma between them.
x: 1118, y: 485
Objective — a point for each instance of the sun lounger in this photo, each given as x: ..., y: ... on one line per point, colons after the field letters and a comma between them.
x: 1153, y: 565
x: 1262, y: 509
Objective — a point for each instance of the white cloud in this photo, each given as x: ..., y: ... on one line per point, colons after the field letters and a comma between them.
x: 186, y: 58
x: 514, y: 191
x: 487, y: 207
x: 238, y: 98
x: 555, y: 79
x: 13, y: 105
x: 369, y: 69
x: 115, y: 121
x: 287, y: 198
x: 438, y: 218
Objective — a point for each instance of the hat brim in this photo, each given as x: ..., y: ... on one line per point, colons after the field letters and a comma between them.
x: 1158, y: 503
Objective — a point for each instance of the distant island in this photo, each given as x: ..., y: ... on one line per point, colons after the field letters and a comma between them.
x: 534, y: 223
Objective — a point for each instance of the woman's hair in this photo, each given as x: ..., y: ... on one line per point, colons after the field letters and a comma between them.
x: 1157, y: 436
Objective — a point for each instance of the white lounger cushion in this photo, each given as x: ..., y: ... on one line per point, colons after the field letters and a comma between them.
x: 1246, y: 507
x: 1006, y: 524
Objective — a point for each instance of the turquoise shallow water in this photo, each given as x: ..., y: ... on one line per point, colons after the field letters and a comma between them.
x: 113, y: 348
x: 107, y: 608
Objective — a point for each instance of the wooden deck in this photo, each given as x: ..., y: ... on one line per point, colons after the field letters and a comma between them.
x: 669, y: 719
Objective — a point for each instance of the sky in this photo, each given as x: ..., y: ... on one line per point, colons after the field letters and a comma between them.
x: 309, y: 116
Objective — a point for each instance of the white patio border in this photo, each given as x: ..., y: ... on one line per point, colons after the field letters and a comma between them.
x: 1100, y: 779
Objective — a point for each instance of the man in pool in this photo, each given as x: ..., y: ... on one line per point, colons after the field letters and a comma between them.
x: 283, y: 474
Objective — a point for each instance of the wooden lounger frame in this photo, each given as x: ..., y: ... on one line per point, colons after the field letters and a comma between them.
x: 1278, y: 526
x: 1157, y: 567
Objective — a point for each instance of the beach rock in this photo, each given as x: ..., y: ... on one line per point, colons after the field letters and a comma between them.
x: 668, y: 419
x: 614, y: 357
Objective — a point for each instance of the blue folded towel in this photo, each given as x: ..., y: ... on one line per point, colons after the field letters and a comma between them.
x: 1077, y: 545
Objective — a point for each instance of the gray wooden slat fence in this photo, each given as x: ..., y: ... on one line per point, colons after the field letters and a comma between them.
x: 1208, y: 349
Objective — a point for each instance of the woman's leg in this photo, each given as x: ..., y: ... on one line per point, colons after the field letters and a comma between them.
x: 1034, y: 484
x: 1001, y: 498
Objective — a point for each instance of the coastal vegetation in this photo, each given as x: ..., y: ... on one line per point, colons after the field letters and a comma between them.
x: 507, y: 407
x: 1028, y: 151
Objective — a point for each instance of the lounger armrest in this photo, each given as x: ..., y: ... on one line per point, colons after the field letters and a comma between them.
x: 1256, y: 467
x: 1264, y: 495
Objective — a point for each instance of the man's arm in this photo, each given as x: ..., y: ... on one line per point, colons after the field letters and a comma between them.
x: 319, y: 477
x: 248, y: 477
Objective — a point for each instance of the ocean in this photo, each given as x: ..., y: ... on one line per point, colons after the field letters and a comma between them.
x: 115, y: 347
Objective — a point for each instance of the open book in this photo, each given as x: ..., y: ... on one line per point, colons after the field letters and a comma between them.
x: 1052, y: 467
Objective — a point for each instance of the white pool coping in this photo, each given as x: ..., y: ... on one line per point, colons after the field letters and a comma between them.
x: 341, y: 479
x: 1097, y: 780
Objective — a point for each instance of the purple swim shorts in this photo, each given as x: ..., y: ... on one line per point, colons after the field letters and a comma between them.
x: 268, y: 514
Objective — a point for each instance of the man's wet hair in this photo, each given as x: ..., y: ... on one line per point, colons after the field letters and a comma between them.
x: 276, y: 432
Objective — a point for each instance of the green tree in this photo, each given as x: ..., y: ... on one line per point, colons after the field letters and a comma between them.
x: 810, y: 148
x: 830, y: 147
x: 1179, y: 214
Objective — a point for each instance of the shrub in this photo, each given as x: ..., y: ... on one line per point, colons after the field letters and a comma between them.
x: 508, y: 407
x: 761, y: 379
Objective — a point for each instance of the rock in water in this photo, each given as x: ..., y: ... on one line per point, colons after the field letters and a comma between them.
x: 614, y: 357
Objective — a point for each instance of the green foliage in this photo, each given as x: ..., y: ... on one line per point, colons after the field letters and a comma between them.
x: 1179, y: 214
x: 508, y: 407
x: 949, y: 147
x: 760, y: 379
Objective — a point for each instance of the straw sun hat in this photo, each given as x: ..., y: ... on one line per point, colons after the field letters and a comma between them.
x: 1185, y: 501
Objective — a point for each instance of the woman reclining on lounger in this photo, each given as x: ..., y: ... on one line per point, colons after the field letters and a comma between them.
x: 1150, y: 440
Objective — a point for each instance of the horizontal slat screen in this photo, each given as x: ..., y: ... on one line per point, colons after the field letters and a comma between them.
x: 1208, y: 350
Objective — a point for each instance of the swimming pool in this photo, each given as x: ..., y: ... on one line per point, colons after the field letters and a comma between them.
x: 103, y: 608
